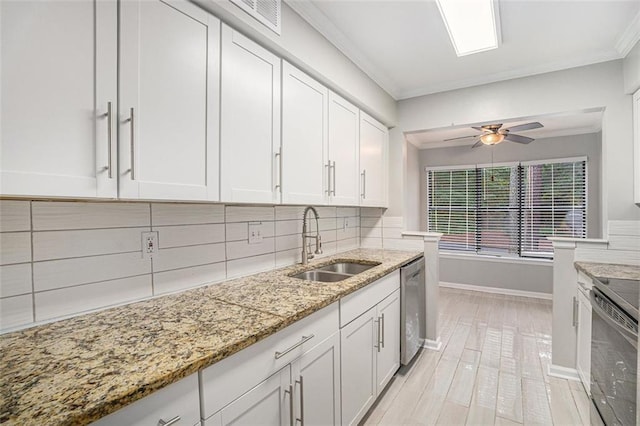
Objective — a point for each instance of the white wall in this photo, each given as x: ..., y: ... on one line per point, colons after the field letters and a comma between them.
x: 306, y: 48
x: 576, y: 89
x: 632, y: 70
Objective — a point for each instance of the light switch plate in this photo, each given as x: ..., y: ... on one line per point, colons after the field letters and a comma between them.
x: 255, y: 232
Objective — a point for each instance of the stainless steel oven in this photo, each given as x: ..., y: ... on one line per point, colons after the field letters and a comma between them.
x: 614, y: 349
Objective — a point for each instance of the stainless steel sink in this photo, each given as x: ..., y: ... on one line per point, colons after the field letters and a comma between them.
x: 322, y: 276
x: 334, y: 272
x: 349, y: 268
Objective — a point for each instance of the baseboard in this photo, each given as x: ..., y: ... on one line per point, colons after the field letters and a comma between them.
x: 497, y: 290
x: 563, y: 372
x: 434, y: 345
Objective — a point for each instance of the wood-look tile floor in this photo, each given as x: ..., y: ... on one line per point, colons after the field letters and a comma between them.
x: 492, y: 369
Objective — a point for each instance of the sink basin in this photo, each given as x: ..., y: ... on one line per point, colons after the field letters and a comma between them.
x: 322, y: 276
x: 349, y: 268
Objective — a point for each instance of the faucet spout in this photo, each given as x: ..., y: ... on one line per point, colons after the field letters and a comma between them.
x: 306, y: 249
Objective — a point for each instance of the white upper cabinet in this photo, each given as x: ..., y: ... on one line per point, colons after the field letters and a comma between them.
x: 374, y: 141
x: 305, y: 168
x: 58, y: 86
x: 250, y: 121
x: 168, y: 101
x: 343, y: 152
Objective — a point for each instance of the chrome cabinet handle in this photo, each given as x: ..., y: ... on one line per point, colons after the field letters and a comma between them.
x: 575, y: 311
x: 301, y: 383
x: 363, y: 194
x: 109, y: 139
x: 334, y: 178
x: 382, y: 327
x: 290, y: 392
x: 328, y: 167
x: 379, y: 334
x: 174, y: 420
x: 300, y: 343
x: 279, y: 165
x: 131, y: 119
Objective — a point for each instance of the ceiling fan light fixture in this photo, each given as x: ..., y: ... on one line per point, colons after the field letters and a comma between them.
x: 491, y: 138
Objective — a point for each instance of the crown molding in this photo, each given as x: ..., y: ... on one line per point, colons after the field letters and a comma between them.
x: 510, y: 75
x: 318, y: 20
x: 629, y: 37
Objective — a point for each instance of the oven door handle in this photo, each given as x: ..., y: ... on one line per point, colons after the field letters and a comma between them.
x: 629, y: 335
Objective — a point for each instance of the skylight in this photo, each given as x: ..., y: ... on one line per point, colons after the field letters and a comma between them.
x: 472, y: 24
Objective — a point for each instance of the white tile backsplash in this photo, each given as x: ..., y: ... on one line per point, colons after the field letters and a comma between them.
x: 73, y: 300
x: 87, y: 255
x: 50, y: 245
x: 15, y: 216
x: 188, y: 235
x: 53, y: 274
x: 16, y: 311
x: 15, y: 279
x: 179, y: 214
x: 57, y: 216
x: 15, y: 247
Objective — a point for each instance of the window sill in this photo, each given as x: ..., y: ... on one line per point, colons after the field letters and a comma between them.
x: 498, y: 259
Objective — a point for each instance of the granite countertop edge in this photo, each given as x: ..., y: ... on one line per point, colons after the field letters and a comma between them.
x: 596, y: 270
x: 26, y: 405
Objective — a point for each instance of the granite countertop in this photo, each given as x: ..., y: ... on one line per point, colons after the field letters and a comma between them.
x: 609, y: 270
x: 77, y: 370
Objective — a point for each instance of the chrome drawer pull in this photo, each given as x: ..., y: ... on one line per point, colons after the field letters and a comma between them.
x: 300, y: 343
x: 173, y: 421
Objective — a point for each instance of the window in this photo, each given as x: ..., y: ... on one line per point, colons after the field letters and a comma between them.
x: 507, y: 209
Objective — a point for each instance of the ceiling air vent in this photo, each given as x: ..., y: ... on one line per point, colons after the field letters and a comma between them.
x: 267, y: 12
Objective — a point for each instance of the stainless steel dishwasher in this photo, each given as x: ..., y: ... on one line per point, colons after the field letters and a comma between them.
x: 412, y: 309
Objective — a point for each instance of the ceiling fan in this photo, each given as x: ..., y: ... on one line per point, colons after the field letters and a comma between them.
x: 493, y: 134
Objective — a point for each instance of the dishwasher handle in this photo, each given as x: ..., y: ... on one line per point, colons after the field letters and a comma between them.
x: 616, y: 323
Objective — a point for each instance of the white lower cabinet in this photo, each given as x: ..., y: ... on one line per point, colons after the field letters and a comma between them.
x: 266, y: 404
x: 369, y: 345
x: 178, y: 402
x: 583, y: 352
x: 242, y: 389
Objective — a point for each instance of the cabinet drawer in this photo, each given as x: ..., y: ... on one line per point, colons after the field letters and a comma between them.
x: 228, y: 379
x: 178, y: 399
x: 357, y: 303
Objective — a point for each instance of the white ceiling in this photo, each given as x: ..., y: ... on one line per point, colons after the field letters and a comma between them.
x: 571, y: 123
x: 403, y: 44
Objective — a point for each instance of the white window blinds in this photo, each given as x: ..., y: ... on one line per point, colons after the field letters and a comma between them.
x: 507, y: 210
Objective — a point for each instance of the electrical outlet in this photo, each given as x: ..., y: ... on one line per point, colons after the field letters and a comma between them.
x: 255, y: 232
x: 149, y: 244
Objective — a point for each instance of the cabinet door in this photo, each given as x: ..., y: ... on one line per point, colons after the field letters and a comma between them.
x: 269, y: 403
x: 343, y: 151
x: 388, y: 360
x: 358, y: 341
x: 374, y: 138
x: 58, y: 84
x: 636, y: 146
x: 304, y: 138
x: 316, y: 378
x: 583, y: 360
x: 250, y: 121
x: 168, y: 101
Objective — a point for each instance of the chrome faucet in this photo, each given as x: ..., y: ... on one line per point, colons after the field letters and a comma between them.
x: 306, y: 245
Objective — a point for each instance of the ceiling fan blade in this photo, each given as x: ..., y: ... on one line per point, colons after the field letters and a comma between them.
x: 480, y: 129
x: 461, y: 137
x: 518, y: 138
x: 477, y: 144
x: 528, y: 126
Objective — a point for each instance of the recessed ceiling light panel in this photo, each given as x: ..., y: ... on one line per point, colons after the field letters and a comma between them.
x: 473, y: 25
